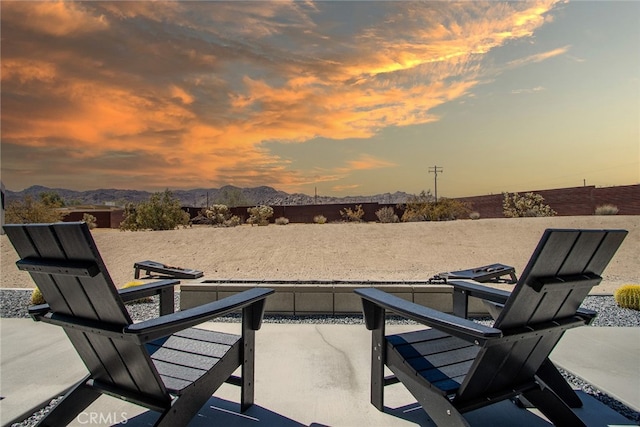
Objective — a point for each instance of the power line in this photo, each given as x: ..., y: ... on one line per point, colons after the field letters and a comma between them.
x: 435, y: 170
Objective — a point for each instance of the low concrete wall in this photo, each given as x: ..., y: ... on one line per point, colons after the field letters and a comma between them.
x: 324, y: 298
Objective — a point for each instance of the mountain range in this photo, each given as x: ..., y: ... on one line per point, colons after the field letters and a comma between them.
x: 200, y: 197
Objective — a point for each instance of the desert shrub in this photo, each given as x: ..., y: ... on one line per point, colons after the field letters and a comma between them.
x: 132, y: 285
x: 28, y: 211
x: 447, y: 210
x: 628, y: 296
x: 412, y: 216
x: 90, y: 220
x: 424, y: 208
x: 260, y: 215
x: 352, y: 215
x: 220, y: 215
x: 319, y: 219
x: 217, y: 214
x: 36, y: 297
x: 161, y: 212
x: 474, y: 215
x: 529, y: 205
x: 234, y: 221
x: 282, y: 221
x: 416, y: 208
x: 607, y: 210
x: 387, y: 215
x: 52, y: 199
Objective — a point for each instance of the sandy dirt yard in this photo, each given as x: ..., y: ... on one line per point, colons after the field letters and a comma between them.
x: 368, y: 251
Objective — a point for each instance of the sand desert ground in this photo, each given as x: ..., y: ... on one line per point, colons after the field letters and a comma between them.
x: 345, y: 251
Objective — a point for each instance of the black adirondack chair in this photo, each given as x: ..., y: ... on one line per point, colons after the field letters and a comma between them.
x: 458, y: 365
x: 163, y: 364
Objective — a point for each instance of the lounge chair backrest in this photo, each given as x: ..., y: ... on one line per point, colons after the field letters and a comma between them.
x: 564, y: 267
x: 65, y: 264
x: 568, y: 258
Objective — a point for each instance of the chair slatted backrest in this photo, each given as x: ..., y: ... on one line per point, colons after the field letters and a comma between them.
x: 118, y: 364
x: 562, y: 270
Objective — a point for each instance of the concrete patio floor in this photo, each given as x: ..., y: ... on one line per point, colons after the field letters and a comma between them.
x: 309, y: 375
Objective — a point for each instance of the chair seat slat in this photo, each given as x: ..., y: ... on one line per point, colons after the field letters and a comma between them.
x: 175, y: 385
x: 416, y: 336
x: 193, y: 346
x: 433, y: 348
x: 183, y: 358
x: 178, y: 371
x: 208, y: 336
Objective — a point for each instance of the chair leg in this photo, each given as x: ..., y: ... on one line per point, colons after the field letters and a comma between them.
x: 248, y: 370
x: 437, y: 406
x: 553, y: 407
x: 181, y: 411
x: 76, y: 399
x: 377, y: 368
x: 549, y: 374
x: 374, y: 317
x: 460, y: 303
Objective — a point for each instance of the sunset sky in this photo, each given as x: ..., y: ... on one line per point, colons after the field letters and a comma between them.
x: 351, y: 98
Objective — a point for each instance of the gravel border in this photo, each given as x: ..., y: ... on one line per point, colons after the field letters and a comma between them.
x: 13, y: 304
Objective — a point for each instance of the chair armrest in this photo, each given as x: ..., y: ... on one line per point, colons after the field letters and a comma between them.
x: 462, y: 290
x: 171, y: 323
x: 164, y: 288
x: 454, y: 325
x: 475, y: 289
x: 148, y: 290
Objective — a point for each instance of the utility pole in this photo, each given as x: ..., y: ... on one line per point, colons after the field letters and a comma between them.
x: 435, y: 170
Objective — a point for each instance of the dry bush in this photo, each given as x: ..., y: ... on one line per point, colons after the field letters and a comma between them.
x: 219, y: 215
x: 417, y: 207
x: 260, y: 215
x: 607, y: 210
x: 529, y: 205
x: 319, y: 219
x: 90, y: 220
x: 282, y: 221
x: 161, y: 212
x: 387, y: 215
x: 29, y: 211
x: 352, y: 215
x: 424, y: 208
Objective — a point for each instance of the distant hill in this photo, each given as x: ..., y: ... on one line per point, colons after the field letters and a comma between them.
x: 198, y: 197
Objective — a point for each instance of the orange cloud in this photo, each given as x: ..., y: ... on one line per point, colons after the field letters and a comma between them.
x: 366, y: 162
x: 342, y: 188
x: 539, y: 57
x: 54, y: 18
x: 199, y: 87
